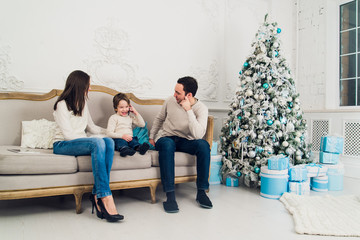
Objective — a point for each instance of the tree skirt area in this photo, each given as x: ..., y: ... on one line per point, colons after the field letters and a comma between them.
x: 324, y: 215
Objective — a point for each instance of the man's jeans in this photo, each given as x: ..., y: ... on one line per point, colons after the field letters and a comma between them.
x: 120, y: 143
x: 167, y: 147
x: 102, y: 153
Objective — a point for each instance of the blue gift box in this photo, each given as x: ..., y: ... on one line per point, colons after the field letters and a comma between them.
x: 319, y: 184
x: 215, y: 167
x: 232, y: 182
x: 336, y: 177
x: 214, y: 148
x: 273, y: 182
x: 298, y: 173
x: 300, y: 188
x: 332, y: 144
x: 332, y: 158
x: 279, y: 162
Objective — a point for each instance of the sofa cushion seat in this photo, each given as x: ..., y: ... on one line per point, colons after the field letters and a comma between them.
x: 17, y: 160
x: 136, y: 161
x: 181, y: 159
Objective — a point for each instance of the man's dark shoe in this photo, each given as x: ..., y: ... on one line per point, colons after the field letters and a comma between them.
x: 203, y: 199
x: 171, y: 207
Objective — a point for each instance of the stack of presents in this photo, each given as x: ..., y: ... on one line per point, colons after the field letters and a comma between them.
x: 279, y: 176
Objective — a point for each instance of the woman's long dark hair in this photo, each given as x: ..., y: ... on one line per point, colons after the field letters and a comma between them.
x: 75, y: 92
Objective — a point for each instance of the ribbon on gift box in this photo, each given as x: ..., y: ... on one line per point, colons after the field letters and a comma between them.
x: 320, y: 170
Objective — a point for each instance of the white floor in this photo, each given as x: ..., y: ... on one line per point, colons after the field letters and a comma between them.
x: 238, y: 213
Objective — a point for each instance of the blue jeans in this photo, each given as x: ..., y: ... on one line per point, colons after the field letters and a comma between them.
x: 167, y: 147
x: 102, y: 153
x: 120, y: 143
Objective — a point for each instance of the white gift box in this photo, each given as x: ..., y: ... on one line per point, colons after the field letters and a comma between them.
x: 316, y: 170
x: 300, y: 188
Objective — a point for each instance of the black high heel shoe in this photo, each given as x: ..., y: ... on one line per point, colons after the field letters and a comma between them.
x: 106, y: 215
x: 99, y: 214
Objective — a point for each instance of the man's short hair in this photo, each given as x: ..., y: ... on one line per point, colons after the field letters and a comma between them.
x: 190, y: 84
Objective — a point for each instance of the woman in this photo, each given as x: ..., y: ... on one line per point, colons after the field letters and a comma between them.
x: 72, y: 117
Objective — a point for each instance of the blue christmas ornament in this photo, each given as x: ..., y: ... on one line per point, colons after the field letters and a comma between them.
x: 256, y: 169
x: 290, y: 104
x: 246, y: 64
x: 240, y: 72
x: 276, y: 53
x: 269, y: 122
x: 259, y: 149
x: 278, y: 30
x: 239, y: 117
x: 238, y: 174
x: 265, y: 85
x: 274, y: 138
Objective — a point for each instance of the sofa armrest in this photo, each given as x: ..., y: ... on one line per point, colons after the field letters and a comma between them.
x: 209, y: 135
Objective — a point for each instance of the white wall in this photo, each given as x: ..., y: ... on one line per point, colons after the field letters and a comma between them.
x: 137, y: 46
x: 133, y: 45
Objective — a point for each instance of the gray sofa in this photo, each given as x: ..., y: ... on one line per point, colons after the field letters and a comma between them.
x: 34, y: 172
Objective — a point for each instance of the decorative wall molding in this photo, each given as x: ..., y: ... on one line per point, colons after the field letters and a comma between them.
x: 110, y: 66
x: 208, y: 81
x: 7, y: 82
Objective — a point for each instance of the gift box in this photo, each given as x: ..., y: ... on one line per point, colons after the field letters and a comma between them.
x: 332, y: 144
x: 336, y: 176
x: 273, y: 182
x: 316, y: 170
x: 232, y: 182
x: 298, y: 173
x: 319, y: 184
x: 214, y: 148
x: 300, y: 188
x: 279, y: 162
x: 215, y: 167
x: 332, y: 158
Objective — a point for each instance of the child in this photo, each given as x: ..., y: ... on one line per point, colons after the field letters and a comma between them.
x: 120, y: 127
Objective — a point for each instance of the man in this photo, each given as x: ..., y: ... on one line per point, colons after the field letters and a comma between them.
x: 180, y: 126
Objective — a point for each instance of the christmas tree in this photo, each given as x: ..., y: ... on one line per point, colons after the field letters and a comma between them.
x: 265, y: 116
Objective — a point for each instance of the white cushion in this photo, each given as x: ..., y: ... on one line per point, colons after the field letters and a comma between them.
x: 38, y: 134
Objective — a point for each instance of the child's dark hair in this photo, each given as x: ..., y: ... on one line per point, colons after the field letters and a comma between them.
x: 190, y: 85
x: 117, y: 98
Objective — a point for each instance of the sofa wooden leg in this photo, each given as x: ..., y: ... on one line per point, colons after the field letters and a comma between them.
x: 153, y: 187
x: 78, y: 197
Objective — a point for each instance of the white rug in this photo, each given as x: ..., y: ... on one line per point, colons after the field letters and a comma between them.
x: 324, y: 215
